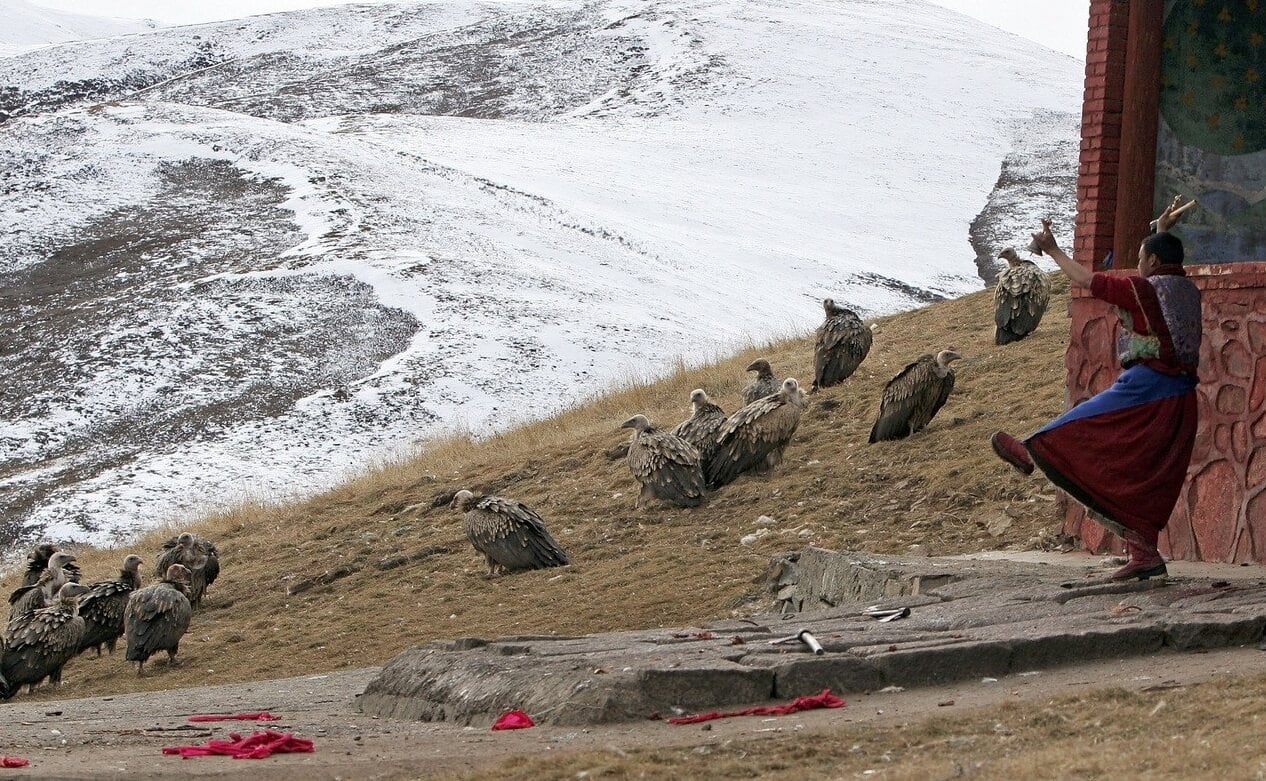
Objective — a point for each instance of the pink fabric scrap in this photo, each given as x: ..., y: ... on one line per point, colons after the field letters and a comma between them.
x: 262, y: 715
x: 513, y: 719
x: 257, y: 746
x: 823, y: 699
x: 14, y: 761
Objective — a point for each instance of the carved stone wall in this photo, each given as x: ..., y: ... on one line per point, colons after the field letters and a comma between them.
x: 1221, y: 515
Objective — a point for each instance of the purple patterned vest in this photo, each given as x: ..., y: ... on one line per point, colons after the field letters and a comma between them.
x: 1179, y: 301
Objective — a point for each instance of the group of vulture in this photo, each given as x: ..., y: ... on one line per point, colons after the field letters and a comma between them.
x: 53, y: 617
x: 711, y: 449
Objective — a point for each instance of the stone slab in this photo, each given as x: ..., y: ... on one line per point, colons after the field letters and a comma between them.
x: 968, y: 619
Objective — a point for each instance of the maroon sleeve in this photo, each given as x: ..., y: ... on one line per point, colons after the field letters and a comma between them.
x: 1121, y: 292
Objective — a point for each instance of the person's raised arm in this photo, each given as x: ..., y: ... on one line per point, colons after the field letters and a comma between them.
x: 1079, y: 274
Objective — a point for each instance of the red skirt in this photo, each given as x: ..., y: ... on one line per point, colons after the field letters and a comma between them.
x: 1126, y: 466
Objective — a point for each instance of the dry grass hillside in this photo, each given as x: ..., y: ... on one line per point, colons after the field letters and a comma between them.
x: 942, y: 490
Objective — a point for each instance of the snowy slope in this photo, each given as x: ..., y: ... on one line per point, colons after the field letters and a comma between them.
x: 25, y: 26
x: 292, y: 244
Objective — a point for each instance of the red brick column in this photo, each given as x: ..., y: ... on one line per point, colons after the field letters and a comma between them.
x: 1101, y: 130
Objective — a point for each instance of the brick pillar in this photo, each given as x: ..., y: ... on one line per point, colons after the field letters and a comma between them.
x: 1139, y: 122
x: 1101, y: 130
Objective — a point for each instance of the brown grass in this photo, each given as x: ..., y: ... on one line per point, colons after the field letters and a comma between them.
x: 655, y: 567
x: 1109, y: 733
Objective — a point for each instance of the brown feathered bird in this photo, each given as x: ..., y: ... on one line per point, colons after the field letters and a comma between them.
x: 37, y: 562
x: 157, y: 616
x: 911, y: 399
x: 29, y: 598
x: 103, y: 606
x: 756, y: 435
x: 765, y: 384
x: 666, y: 465
x: 510, y: 535
x: 1019, y: 299
x: 37, y: 645
x: 703, y: 426
x: 843, y: 342
x: 198, y: 555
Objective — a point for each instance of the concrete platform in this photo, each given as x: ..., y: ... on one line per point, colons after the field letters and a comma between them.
x: 969, y: 618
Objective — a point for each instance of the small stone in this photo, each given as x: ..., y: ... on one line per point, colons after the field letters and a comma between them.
x: 749, y: 539
x: 917, y: 549
x: 402, y: 530
x: 998, y: 524
x: 369, y: 537
x: 765, y: 520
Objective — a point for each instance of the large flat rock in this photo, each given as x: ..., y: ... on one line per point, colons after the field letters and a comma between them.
x: 968, y: 619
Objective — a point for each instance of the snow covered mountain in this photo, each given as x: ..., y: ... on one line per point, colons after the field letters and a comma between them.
x: 240, y: 259
x: 24, y: 26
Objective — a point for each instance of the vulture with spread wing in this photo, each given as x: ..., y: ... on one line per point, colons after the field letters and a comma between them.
x: 157, y: 616
x: 912, y: 398
x: 38, y: 644
x: 703, y: 425
x: 765, y: 384
x: 103, y: 606
x: 510, y: 535
x: 666, y: 465
x: 56, y: 574
x: 1019, y: 299
x: 37, y: 562
x: 756, y: 435
x: 198, y: 555
x: 843, y: 342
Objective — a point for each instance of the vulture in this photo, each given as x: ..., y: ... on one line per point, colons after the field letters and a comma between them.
x: 666, y: 465
x: 842, y: 344
x: 703, y: 425
x: 510, y: 535
x: 157, y: 616
x: 755, y: 436
x: 37, y: 562
x: 1019, y: 299
x: 102, y: 608
x: 56, y: 573
x: 38, y: 644
x: 198, y: 555
x: 912, y: 398
x: 765, y: 384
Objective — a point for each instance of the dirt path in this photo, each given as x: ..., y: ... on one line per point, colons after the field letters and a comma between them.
x: 108, y: 737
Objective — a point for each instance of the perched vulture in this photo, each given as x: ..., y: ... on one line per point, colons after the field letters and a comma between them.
x: 703, y: 425
x: 510, y: 535
x: 103, y: 607
x: 666, y: 465
x: 198, y: 555
x: 157, y: 616
x: 765, y: 384
x: 38, y: 644
x: 913, y: 397
x: 28, y: 598
x: 843, y: 343
x: 37, y: 562
x: 1019, y: 299
x: 755, y: 436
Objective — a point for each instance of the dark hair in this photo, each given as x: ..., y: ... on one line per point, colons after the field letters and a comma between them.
x: 1165, y: 246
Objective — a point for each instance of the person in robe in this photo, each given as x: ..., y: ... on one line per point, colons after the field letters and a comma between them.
x: 1124, y: 453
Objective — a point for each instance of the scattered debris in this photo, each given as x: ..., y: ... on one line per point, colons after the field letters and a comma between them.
x: 886, y: 614
x: 891, y: 689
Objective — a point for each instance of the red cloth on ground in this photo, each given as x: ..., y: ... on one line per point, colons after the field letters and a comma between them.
x: 513, y: 719
x: 262, y: 715
x: 1128, y: 466
x: 14, y: 761
x: 257, y: 746
x: 823, y: 699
